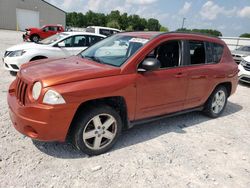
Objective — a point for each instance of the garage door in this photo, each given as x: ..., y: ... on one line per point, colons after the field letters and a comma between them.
x: 27, y: 18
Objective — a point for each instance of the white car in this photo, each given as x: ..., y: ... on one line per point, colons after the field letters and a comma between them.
x: 107, y: 31
x: 244, y: 67
x: 57, y: 46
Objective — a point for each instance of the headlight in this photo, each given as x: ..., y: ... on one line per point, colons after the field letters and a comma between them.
x: 53, y: 97
x: 17, y: 53
x: 243, y: 63
x: 36, y: 90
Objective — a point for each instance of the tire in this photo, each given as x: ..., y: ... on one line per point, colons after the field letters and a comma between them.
x: 35, y: 38
x: 13, y: 73
x: 94, y: 138
x: 216, y: 103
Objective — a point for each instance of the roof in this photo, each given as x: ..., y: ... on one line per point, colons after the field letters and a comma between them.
x: 152, y: 34
x: 53, y: 6
x: 142, y: 34
x: 83, y: 33
x: 100, y: 27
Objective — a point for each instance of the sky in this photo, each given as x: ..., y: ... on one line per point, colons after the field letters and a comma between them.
x: 231, y: 17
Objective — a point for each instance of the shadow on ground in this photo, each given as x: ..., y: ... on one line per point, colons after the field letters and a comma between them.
x: 139, y: 133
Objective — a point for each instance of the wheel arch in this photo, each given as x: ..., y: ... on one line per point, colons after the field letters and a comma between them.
x: 37, y: 57
x: 116, y: 102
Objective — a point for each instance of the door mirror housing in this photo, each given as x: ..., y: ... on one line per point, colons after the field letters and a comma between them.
x: 61, y: 44
x: 149, y: 64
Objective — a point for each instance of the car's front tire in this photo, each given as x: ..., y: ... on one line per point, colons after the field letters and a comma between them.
x: 35, y: 38
x: 96, y: 129
x: 217, y: 102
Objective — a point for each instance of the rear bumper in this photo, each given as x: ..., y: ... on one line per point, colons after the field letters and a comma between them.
x: 41, y: 122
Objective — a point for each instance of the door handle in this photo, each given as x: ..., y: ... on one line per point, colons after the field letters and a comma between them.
x: 180, y: 75
x: 199, y: 77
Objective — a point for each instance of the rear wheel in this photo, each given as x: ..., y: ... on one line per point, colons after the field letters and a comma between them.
x: 35, y: 38
x: 216, y: 102
x: 97, y: 130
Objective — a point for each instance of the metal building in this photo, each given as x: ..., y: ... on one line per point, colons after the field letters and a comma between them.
x: 21, y: 14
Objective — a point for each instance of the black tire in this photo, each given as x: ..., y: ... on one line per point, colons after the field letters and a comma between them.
x: 13, y: 73
x: 34, y: 38
x: 209, y: 109
x: 85, y: 119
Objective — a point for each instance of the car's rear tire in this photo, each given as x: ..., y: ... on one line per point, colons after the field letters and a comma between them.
x: 217, y: 102
x: 34, y: 38
x: 96, y: 129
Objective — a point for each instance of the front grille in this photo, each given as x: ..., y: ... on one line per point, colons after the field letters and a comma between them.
x: 21, y: 89
x: 246, y: 79
x: 247, y: 67
x: 7, y: 53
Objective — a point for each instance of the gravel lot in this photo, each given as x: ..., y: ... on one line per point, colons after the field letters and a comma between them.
x: 190, y: 150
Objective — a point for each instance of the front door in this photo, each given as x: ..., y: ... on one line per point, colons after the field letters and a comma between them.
x: 162, y: 91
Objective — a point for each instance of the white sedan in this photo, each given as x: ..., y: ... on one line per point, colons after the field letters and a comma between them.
x: 57, y: 46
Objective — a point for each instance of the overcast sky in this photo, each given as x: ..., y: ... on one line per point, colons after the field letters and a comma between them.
x: 231, y: 17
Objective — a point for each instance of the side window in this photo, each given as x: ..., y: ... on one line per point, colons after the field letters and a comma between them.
x: 52, y: 28
x: 105, y: 32
x: 80, y: 41
x: 168, y: 54
x: 197, y: 52
x: 94, y: 39
x: 217, y: 52
x: 45, y: 29
x: 209, y: 53
x: 68, y: 42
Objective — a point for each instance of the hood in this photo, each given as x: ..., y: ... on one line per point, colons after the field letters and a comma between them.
x: 25, y: 46
x: 241, y: 53
x: 60, y: 71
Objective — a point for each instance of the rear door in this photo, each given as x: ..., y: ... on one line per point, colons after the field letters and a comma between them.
x: 199, y: 73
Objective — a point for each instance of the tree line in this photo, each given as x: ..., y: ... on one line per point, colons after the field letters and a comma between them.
x: 126, y: 22
x: 115, y: 20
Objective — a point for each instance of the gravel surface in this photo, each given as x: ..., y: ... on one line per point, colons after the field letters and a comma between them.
x: 190, y: 150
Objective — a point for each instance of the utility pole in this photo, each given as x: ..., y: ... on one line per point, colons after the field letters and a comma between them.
x: 183, y: 22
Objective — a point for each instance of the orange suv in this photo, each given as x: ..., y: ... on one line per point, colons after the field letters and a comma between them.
x: 123, y: 80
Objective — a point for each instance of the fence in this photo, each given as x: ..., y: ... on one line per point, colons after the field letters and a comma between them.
x: 235, y: 42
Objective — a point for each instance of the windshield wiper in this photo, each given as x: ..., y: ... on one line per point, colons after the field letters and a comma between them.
x: 94, y: 58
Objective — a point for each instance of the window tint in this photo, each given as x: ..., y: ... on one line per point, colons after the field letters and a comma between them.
x: 106, y: 32
x: 94, y: 39
x: 68, y: 42
x: 197, y: 52
x: 168, y: 54
x: 217, y: 52
x: 52, y: 28
x: 80, y: 41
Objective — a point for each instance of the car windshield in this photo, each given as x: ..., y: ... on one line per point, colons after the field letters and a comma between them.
x: 53, y: 38
x: 114, y: 50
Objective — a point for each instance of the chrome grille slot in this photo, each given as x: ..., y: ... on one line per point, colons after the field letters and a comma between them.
x: 21, y: 89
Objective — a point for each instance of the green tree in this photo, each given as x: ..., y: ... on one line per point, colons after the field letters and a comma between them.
x: 113, y: 24
x: 246, y: 35
x: 164, y: 29
x: 153, y: 25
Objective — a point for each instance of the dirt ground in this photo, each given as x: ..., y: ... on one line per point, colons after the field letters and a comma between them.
x: 190, y: 150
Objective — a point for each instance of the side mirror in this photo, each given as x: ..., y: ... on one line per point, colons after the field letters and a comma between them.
x: 61, y: 44
x: 149, y: 64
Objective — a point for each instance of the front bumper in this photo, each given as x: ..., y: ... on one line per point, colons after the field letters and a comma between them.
x: 41, y: 122
x: 14, y: 63
x: 26, y: 37
x: 244, y: 75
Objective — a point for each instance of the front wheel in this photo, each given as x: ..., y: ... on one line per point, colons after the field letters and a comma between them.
x: 35, y: 38
x: 97, y: 130
x: 216, y: 102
